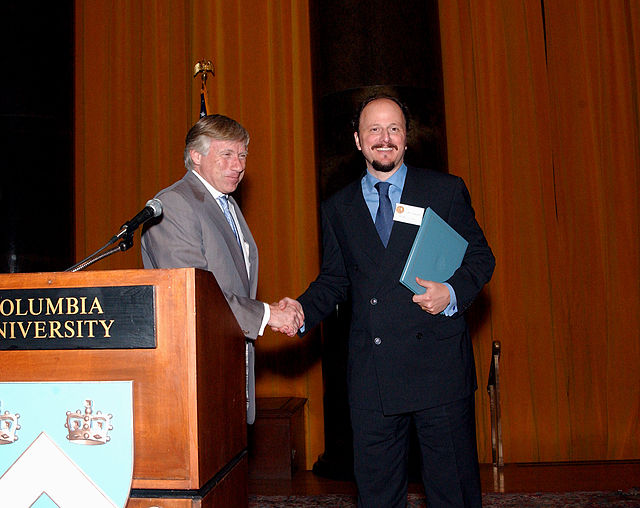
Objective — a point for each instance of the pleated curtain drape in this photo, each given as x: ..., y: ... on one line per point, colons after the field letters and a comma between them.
x: 542, y: 121
x: 135, y: 100
x: 542, y: 115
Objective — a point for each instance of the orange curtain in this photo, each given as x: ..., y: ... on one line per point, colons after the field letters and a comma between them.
x: 135, y: 100
x: 542, y: 117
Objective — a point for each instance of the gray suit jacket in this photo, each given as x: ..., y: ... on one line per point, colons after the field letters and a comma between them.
x: 193, y: 232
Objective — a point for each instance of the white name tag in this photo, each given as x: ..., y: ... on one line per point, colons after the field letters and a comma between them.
x: 409, y: 214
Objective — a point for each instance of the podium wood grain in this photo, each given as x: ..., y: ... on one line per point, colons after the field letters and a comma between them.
x: 189, y: 392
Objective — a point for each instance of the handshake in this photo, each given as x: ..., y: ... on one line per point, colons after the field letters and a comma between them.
x: 286, y: 316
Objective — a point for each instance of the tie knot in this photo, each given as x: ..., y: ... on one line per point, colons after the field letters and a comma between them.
x: 383, y: 188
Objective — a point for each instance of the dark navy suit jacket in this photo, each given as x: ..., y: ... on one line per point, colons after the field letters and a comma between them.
x: 401, y: 358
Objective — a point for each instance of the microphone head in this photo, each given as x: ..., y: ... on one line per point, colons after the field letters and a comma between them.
x: 156, y: 205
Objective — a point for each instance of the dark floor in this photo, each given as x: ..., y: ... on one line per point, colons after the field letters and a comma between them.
x: 531, y: 477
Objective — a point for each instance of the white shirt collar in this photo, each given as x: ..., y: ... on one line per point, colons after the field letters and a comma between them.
x: 212, y: 190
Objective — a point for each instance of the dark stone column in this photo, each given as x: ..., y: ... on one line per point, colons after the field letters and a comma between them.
x: 36, y: 129
x: 361, y: 48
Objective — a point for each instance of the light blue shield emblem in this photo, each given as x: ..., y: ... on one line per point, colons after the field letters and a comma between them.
x: 66, y: 445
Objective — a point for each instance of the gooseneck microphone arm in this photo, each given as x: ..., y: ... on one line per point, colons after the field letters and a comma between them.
x: 125, y: 244
x: 152, y: 209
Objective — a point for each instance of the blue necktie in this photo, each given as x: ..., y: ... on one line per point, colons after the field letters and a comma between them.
x: 384, y: 216
x: 224, y: 202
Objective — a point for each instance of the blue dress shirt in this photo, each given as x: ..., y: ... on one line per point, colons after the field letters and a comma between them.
x: 371, y: 198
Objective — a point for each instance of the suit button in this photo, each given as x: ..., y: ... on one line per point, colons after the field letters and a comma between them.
x: 377, y: 341
x: 419, y: 335
x: 373, y: 301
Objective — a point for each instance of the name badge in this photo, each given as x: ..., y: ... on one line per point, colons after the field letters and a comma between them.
x: 409, y: 214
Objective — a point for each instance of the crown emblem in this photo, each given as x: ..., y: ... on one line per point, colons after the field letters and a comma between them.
x: 8, y: 427
x: 87, y: 428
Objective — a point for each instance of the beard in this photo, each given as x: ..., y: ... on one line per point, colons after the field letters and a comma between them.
x: 383, y: 168
x: 379, y: 166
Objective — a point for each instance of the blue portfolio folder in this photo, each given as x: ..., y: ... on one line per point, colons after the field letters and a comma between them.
x: 436, y: 253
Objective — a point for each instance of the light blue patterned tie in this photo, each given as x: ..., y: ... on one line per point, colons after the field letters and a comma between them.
x: 224, y: 203
x: 384, y: 216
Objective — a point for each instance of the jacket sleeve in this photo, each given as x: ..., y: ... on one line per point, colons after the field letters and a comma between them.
x: 331, y: 287
x: 478, y: 262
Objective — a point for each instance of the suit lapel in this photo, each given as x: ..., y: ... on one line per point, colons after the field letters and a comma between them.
x: 415, y: 192
x: 253, y: 249
x: 359, y: 224
x: 216, y: 219
x: 418, y: 191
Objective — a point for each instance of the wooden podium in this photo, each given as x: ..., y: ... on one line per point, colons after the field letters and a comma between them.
x: 190, y: 436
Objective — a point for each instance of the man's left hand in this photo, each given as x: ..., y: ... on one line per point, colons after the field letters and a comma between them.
x: 436, y: 297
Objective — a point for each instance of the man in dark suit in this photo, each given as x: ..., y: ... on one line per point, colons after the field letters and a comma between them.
x: 202, y: 227
x: 410, y: 356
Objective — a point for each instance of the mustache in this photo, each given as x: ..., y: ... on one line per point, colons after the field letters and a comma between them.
x: 384, y: 145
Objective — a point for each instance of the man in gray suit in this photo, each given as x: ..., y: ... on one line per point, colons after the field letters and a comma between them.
x: 203, y: 227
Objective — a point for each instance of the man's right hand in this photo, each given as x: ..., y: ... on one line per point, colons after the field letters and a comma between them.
x: 286, y: 316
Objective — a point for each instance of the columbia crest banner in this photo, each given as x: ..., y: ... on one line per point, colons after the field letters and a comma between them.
x: 66, y: 445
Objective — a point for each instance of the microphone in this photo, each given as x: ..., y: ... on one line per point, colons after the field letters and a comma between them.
x: 152, y: 209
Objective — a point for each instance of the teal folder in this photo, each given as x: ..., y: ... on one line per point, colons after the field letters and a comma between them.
x: 436, y: 253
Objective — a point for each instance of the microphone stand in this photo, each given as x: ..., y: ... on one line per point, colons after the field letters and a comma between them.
x: 126, y: 242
